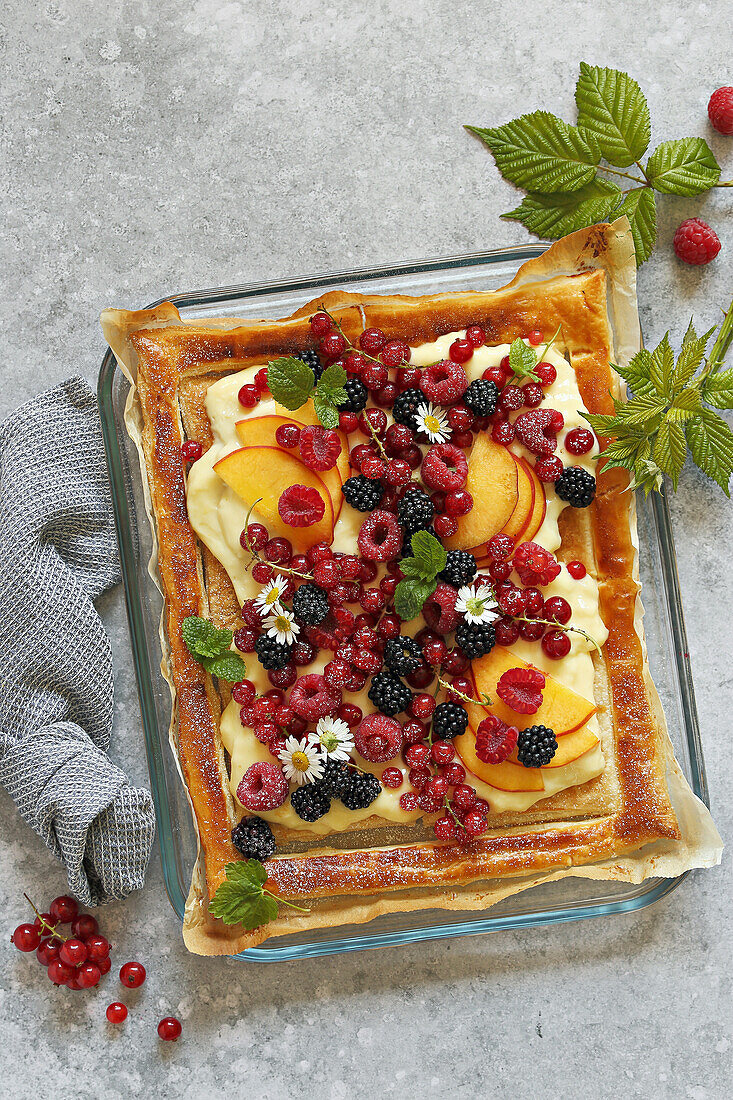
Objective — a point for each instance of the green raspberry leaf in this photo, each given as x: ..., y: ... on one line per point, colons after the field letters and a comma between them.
x: 689, y: 359
x: 553, y: 216
x: 326, y: 412
x: 540, y: 152
x: 684, y: 167
x: 670, y: 448
x: 613, y: 112
x: 718, y: 390
x: 203, y: 639
x: 429, y: 555
x: 640, y: 208
x: 662, y: 368
x: 638, y: 373
x: 410, y: 595
x: 242, y: 899
x: 687, y: 403
x: 711, y: 445
x: 641, y: 410
x: 601, y: 423
x: 290, y: 381
x: 522, y: 360
x: 227, y: 666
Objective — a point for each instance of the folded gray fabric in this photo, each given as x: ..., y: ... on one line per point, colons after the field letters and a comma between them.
x: 58, y: 554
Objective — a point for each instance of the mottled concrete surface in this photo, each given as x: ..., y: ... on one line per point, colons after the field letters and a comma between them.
x: 154, y: 147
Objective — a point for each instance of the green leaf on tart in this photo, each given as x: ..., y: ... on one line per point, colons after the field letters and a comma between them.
x: 428, y: 554
x: 640, y: 208
x: 711, y: 445
x: 638, y: 372
x: 553, y: 216
x: 684, y: 167
x: 540, y: 152
x: 410, y: 595
x: 330, y: 393
x: 290, y: 381
x: 522, y: 360
x: 613, y: 112
x: 227, y: 666
x: 242, y: 899
x: 326, y: 413
x: 203, y: 639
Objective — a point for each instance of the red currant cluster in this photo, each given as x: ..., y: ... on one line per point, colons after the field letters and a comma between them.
x: 438, y: 782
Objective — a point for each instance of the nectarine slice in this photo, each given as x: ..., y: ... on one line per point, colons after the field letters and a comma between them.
x: 539, y: 509
x: 573, y: 745
x: 522, y: 513
x: 562, y: 709
x: 507, y: 776
x: 493, y: 483
x: 265, y: 472
x: 306, y: 413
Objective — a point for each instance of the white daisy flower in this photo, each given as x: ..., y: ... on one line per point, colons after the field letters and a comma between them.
x: 301, y: 761
x: 432, y: 421
x: 269, y: 598
x: 282, y: 626
x: 477, y: 604
x: 334, y: 737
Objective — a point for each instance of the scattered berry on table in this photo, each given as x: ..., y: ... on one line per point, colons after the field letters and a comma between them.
x: 576, y: 486
x: 720, y: 110
x: 362, y: 493
x: 310, y: 802
x: 116, y: 1012
x: 536, y: 746
x: 362, y: 789
x: 253, y: 839
x: 389, y: 694
x: 460, y: 568
x: 695, y: 242
x: 481, y: 397
x: 132, y: 974
x: 475, y: 639
x: 449, y: 720
x: 495, y: 740
x: 402, y: 655
x: 169, y: 1029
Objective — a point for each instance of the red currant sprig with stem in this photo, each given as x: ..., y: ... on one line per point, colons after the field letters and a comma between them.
x: 46, y: 929
x: 255, y: 555
x: 566, y: 628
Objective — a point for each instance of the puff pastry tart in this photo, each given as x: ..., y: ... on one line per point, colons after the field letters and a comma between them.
x: 432, y: 582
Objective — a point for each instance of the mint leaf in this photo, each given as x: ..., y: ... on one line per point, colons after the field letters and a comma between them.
x: 411, y: 568
x: 290, y: 381
x: 662, y: 368
x: 203, y: 639
x: 410, y: 595
x: 242, y: 899
x: 541, y: 153
x: 718, y: 390
x: 684, y: 167
x: 331, y: 384
x: 640, y: 208
x: 553, y: 216
x: 711, y: 446
x: 429, y: 555
x: 670, y: 448
x: 522, y: 360
x: 227, y: 666
x: 613, y: 112
x: 325, y: 412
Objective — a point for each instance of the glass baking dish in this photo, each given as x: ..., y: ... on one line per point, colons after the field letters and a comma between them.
x: 566, y: 900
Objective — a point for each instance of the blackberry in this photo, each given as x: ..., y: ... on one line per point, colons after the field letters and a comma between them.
x: 460, y: 568
x: 271, y: 653
x: 481, y: 397
x: 310, y: 802
x: 389, y: 694
x: 310, y: 604
x: 402, y: 656
x: 356, y: 396
x: 576, y: 486
x: 362, y: 493
x: 405, y: 406
x: 311, y: 358
x: 475, y: 639
x: 253, y: 838
x: 335, y: 778
x: 536, y: 746
x: 415, y: 511
x: 449, y: 720
x: 362, y: 789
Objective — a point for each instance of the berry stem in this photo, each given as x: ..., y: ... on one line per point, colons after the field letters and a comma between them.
x: 349, y: 345
x: 626, y: 175
x: 45, y: 924
x: 560, y: 626
x: 549, y: 343
x: 451, y: 811
x: 720, y: 348
x: 485, y: 701
x: 284, y: 901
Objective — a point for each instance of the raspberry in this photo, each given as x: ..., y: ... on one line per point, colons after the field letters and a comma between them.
x: 535, y: 565
x: 695, y: 242
x: 495, y: 740
x: 439, y: 610
x: 301, y: 505
x: 263, y: 787
x: 380, y: 536
x: 319, y: 447
x: 537, y: 430
x: 313, y: 698
x: 521, y: 689
x: 444, y: 467
x: 378, y: 738
x: 444, y: 382
x: 548, y: 469
x: 720, y: 110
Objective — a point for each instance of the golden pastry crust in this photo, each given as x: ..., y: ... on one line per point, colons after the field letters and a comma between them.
x: 627, y: 807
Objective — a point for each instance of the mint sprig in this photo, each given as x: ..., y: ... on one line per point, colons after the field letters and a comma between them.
x: 420, y: 574
x: 559, y: 165
x: 292, y: 383
x: 668, y: 415
x: 209, y: 645
x: 522, y: 361
x: 243, y: 899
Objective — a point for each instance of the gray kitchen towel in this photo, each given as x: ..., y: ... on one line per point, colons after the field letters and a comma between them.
x: 58, y: 553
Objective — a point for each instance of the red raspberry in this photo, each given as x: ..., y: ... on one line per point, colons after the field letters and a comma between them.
x: 521, y: 689
x: 372, y: 340
x: 695, y: 242
x: 439, y: 610
x: 444, y: 382
x: 535, y: 565
x: 392, y: 778
x: 720, y: 110
x: 263, y: 787
x: 537, y: 430
x: 301, y: 506
x: 378, y: 738
x: 319, y: 447
x: 548, y: 469
x: 380, y: 537
x: 313, y: 698
x: 495, y: 740
x: 444, y: 467
x: 546, y: 373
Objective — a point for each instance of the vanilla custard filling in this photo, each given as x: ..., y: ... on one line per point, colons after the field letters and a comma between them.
x: 218, y: 516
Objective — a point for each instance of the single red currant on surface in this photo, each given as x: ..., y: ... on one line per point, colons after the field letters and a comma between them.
x: 548, y: 469
x: 546, y: 373
x: 116, y: 1012
x: 287, y: 435
x: 191, y: 450
x: 26, y: 937
x: 63, y: 909
x: 556, y: 644
x: 695, y: 242
x: 248, y: 396
x: 170, y: 1029
x: 132, y: 974
x: 579, y: 441
x: 720, y: 110
x: 576, y: 569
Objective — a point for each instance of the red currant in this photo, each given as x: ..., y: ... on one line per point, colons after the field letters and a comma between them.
x: 278, y: 551
x: 97, y: 948
x: 348, y: 422
x: 464, y: 797
x: 191, y: 450
x: 287, y: 435
x: 169, y: 1027
x: 454, y: 773
x: 503, y: 432
x: 576, y: 569
x: 59, y: 972
x: 47, y: 951
x: 500, y: 570
x: 248, y: 396
x: 89, y: 975
x: 392, y: 778
x: 495, y: 375
x: 445, y: 828
x: 389, y: 626
x: 418, y: 777
x: 445, y: 526
x: 557, y: 609
x: 579, y: 441
x: 395, y: 353
x: 422, y: 705
x: 476, y: 335
x: 372, y: 340
x: 413, y: 732
x: 116, y: 1012
x: 455, y: 662
x: 408, y: 801
x: 261, y: 381
x: 460, y: 418
x: 506, y: 632
x: 26, y: 937
x: 548, y: 469
x: 535, y: 337
x: 511, y: 399
x: 434, y: 652
x: 421, y: 677
x: 533, y: 394
x: 377, y: 418
x: 374, y: 376
x: 243, y: 692
x: 63, y: 909
x: 546, y: 373
x: 333, y: 344
x: 461, y: 350
x: 534, y: 602
x: 320, y: 324
x: 417, y: 755
x: 458, y: 502
x: 442, y: 752
x: 73, y: 952
x: 475, y: 823
x: 531, y: 632
x: 556, y: 644
x: 132, y: 974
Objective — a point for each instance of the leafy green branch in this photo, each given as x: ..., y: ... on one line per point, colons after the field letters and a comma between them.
x: 243, y: 899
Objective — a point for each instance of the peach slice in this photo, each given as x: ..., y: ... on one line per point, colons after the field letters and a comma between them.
x: 306, y: 413
x: 259, y: 431
x: 520, y: 517
x: 573, y: 745
x: 562, y: 709
x: 493, y: 483
x: 254, y: 472
x: 540, y: 506
x: 507, y: 776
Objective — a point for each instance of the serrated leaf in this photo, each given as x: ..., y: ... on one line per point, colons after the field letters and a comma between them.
x: 711, y: 446
x: 640, y: 208
x: 638, y: 373
x: 690, y: 335
x: 601, y: 423
x: 227, y: 666
x: 684, y: 167
x: 688, y: 361
x: 553, y: 216
x: 326, y: 413
x: 612, y: 108
x: 688, y: 400
x: 290, y: 381
x: 330, y: 386
x: 670, y: 448
x: 641, y: 409
x: 410, y: 595
x: 241, y: 898
x: 540, y: 152
x: 718, y: 390
x: 621, y: 451
x: 428, y: 553
x: 522, y: 360
x: 662, y: 367
x: 203, y: 639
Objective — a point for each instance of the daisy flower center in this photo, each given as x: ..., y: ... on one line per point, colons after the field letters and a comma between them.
x: 300, y: 761
x: 432, y: 423
x: 282, y: 624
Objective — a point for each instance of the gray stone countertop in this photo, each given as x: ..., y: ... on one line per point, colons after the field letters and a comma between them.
x: 157, y: 147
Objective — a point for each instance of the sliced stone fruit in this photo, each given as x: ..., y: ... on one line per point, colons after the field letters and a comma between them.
x: 507, y: 776
x: 573, y: 745
x: 522, y: 513
x: 493, y: 483
x: 562, y: 709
